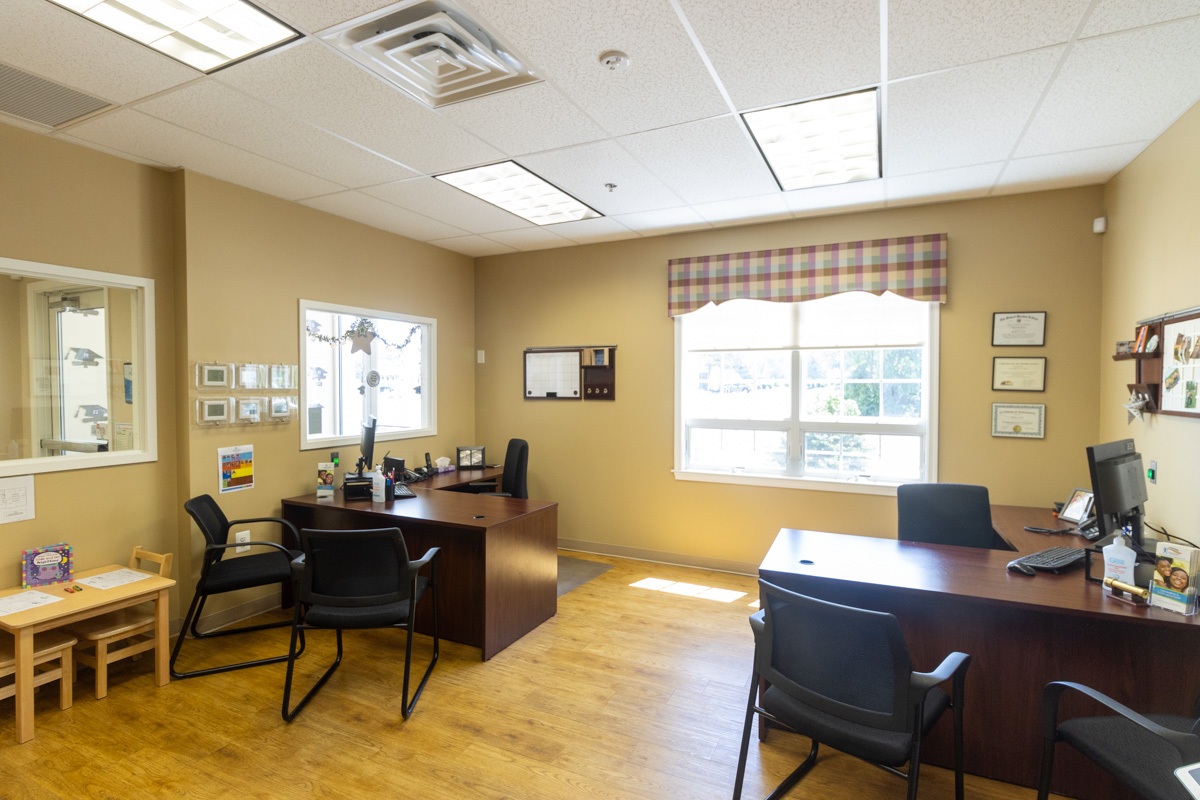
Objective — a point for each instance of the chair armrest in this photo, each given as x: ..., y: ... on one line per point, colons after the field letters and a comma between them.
x: 212, y: 548
x: 280, y: 520
x: 1187, y: 744
x: 952, y: 666
x: 758, y: 622
x: 432, y: 556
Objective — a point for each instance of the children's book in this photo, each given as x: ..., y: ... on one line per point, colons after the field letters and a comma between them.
x: 1175, y: 573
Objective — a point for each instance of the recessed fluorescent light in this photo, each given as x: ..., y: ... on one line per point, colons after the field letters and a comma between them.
x: 820, y: 142
x: 205, y: 34
x: 515, y: 189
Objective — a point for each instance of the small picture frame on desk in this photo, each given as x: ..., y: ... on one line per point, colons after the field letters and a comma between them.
x: 1078, y: 507
x: 471, y: 458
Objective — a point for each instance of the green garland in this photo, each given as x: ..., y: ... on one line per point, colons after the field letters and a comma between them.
x: 361, y: 328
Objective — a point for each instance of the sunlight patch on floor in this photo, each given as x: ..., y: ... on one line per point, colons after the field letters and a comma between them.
x: 689, y: 590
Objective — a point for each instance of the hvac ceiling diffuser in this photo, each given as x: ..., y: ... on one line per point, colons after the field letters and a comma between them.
x: 432, y: 50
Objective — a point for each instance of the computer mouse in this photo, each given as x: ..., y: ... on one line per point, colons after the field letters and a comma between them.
x: 1024, y: 569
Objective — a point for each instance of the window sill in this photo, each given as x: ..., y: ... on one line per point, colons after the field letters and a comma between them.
x: 783, y: 482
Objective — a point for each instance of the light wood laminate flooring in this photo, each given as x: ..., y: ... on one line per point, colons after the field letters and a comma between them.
x: 626, y: 693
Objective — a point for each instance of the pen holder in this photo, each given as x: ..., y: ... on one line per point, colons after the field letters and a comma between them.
x: 389, y: 492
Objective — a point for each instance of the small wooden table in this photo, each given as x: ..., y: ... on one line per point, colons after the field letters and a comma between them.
x: 73, y: 607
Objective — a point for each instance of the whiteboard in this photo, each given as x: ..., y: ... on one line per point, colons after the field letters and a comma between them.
x: 552, y: 375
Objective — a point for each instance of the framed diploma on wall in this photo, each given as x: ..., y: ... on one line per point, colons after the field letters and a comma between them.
x: 1018, y: 374
x: 1019, y: 420
x: 1018, y: 328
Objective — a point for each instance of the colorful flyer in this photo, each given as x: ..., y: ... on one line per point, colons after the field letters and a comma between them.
x: 325, y: 477
x: 237, y: 467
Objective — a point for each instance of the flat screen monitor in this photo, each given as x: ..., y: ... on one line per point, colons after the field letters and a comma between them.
x: 1118, y: 488
x: 367, y: 445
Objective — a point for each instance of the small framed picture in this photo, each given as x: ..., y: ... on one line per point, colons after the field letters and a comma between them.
x: 213, y: 410
x: 250, y: 409
x: 1078, y: 507
x: 1018, y: 374
x: 471, y: 458
x: 283, y: 376
x: 281, y: 407
x: 1018, y: 328
x: 43, y: 566
x: 251, y: 376
x: 213, y: 376
x: 1019, y: 420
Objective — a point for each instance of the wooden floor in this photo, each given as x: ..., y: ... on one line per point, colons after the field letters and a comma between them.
x: 626, y: 693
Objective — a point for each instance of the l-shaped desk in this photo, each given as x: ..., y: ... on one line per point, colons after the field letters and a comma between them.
x: 1021, y: 632
x: 498, y: 577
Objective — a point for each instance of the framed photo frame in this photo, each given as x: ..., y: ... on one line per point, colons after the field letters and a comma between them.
x: 251, y: 376
x: 1018, y: 329
x: 213, y: 410
x: 1018, y: 374
x: 43, y: 566
x: 281, y: 407
x: 213, y: 375
x: 1019, y: 420
x: 283, y: 376
x: 251, y: 409
x: 1078, y: 506
x: 471, y: 458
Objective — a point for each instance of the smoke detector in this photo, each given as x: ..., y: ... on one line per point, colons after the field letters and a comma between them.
x: 433, y: 50
x: 614, y: 60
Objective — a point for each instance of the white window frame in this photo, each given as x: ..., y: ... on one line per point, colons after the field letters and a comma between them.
x: 779, y: 480
x: 428, y: 388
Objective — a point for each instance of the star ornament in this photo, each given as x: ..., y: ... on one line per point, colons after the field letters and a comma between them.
x: 1134, y: 407
x: 362, y: 343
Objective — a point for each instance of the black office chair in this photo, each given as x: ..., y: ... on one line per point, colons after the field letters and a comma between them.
x: 219, y: 575
x: 945, y: 513
x: 513, y: 482
x: 1140, y: 751
x: 356, y: 580
x: 842, y: 676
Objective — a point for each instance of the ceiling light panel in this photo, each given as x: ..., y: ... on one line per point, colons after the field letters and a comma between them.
x: 515, y: 189
x: 820, y: 142
x: 204, y: 34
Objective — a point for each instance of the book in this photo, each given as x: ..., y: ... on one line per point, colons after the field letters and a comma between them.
x: 1175, y: 571
x: 325, y: 478
x: 1140, y: 345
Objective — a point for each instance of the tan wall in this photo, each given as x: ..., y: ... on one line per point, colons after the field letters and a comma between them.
x: 12, y: 368
x: 1150, y: 268
x: 250, y: 259
x: 609, y: 464
x: 70, y: 206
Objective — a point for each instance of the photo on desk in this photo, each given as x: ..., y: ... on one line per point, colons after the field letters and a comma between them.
x: 1078, y: 507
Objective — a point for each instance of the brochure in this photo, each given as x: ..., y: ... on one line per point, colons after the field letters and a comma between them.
x: 1174, y: 583
x: 325, y: 473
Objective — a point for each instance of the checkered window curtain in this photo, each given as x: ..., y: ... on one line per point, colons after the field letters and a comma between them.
x: 910, y: 266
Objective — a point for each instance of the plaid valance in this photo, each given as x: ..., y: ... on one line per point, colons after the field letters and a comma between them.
x: 910, y: 266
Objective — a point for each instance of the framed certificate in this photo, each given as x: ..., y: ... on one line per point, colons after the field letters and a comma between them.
x: 1018, y: 374
x: 1019, y: 421
x: 1018, y: 328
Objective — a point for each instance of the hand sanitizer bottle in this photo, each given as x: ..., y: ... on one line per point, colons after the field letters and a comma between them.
x: 1119, y: 560
x: 379, y: 486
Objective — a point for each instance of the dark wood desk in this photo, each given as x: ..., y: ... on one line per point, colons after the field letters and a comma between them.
x: 499, y: 568
x: 1021, y: 632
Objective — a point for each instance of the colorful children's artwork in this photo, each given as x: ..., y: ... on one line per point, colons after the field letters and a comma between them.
x: 43, y: 566
x: 237, y: 468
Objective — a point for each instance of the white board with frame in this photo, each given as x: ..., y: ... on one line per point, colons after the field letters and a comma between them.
x: 1181, y: 367
x: 553, y: 374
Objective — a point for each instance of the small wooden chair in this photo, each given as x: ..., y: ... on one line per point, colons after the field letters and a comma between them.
x: 48, y: 647
x: 134, y: 624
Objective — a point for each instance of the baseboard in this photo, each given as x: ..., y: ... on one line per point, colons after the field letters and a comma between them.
x: 234, y: 615
x: 660, y: 557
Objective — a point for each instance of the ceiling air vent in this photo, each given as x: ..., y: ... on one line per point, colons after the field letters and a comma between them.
x: 39, y: 100
x: 432, y: 50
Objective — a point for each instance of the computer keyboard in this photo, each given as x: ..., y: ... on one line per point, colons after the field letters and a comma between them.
x: 402, y: 491
x: 1053, y: 559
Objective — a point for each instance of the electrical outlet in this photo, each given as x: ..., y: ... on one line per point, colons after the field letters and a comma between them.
x: 239, y: 537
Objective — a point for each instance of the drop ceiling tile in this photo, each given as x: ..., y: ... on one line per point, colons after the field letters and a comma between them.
x: 947, y: 184
x: 525, y: 120
x: 705, y: 161
x: 744, y: 210
x: 133, y: 132
x: 582, y: 171
x: 591, y: 231
x: 317, y: 85
x: 968, y: 115
x: 928, y: 35
x: 530, y: 238
x: 215, y: 110
x: 385, y: 216
x: 1102, y: 97
x: 1120, y: 15
x: 40, y: 37
x: 311, y: 16
x: 112, y: 151
x: 663, y: 221
x: 1063, y: 170
x: 432, y: 198
x: 474, y: 246
x: 854, y: 196
x: 665, y: 84
x: 831, y: 46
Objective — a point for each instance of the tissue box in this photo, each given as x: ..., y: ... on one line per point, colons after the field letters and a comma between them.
x: 447, y: 468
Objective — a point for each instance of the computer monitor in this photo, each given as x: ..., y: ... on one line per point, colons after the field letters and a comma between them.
x: 1118, y: 489
x: 367, y: 445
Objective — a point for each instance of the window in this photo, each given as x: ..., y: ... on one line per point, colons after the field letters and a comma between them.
x: 357, y: 363
x: 839, y: 391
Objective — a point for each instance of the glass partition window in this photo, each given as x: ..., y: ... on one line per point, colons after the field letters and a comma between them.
x: 358, y: 363
x: 76, y: 377
x: 839, y: 390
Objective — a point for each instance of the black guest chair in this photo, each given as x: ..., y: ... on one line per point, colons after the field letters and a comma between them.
x: 219, y: 575
x: 512, y: 483
x: 842, y: 677
x: 356, y: 580
x: 945, y: 513
x: 1141, y: 752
